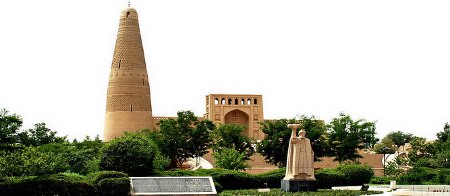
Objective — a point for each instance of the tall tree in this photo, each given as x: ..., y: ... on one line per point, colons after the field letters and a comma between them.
x: 183, y: 137
x: 346, y: 136
x: 39, y: 135
x: 9, y: 127
x: 399, y: 138
x: 232, y: 136
x: 275, y: 145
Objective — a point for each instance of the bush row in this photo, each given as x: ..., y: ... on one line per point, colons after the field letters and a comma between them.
x: 99, y: 183
x: 425, y: 175
x: 232, y: 180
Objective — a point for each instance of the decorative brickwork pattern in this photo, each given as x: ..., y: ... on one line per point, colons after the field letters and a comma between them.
x: 128, y: 102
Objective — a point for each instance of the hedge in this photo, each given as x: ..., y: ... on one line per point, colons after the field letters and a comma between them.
x: 57, y: 184
x: 233, y: 180
x: 107, y: 183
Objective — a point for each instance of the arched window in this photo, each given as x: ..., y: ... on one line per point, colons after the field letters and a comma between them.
x: 236, y: 102
x: 216, y: 101
x: 223, y: 101
x: 131, y: 107
x: 249, y: 102
x: 230, y: 102
x: 128, y: 14
x: 255, y: 101
x: 242, y: 102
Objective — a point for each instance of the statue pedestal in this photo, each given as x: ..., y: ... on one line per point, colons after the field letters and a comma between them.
x: 298, y: 185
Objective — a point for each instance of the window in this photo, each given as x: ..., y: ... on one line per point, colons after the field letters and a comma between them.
x: 255, y: 101
x: 242, y: 102
x: 128, y: 14
x: 249, y: 102
x: 216, y: 101
x: 230, y: 102
x: 236, y: 102
x: 223, y: 101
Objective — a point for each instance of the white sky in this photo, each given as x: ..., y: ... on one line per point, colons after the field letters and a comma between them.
x: 385, y: 61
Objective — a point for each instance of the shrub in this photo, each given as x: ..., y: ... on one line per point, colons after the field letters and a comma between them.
x: 271, y: 179
x: 229, y: 158
x: 327, y: 178
x: 418, y: 175
x: 381, y: 180
x: 356, y: 174
x: 114, y: 186
x: 442, y: 176
x: 56, y: 184
x: 96, y: 177
x: 133, y: 154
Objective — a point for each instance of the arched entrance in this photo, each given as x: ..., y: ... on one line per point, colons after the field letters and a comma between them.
x: 237, y: 117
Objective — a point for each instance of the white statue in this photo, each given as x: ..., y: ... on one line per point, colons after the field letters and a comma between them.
x: 300, y: 158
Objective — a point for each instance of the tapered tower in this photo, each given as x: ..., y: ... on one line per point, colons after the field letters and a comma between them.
x: 128, y: 103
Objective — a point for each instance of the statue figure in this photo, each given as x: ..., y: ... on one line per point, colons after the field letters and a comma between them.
x: 300, y: 163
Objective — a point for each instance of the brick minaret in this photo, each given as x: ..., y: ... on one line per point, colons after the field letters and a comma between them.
x: 128, y: 105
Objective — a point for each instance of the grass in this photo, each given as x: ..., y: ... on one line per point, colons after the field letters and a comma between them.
x: 321, y: 192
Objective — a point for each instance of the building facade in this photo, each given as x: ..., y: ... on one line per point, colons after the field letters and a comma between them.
x: 237, y: 109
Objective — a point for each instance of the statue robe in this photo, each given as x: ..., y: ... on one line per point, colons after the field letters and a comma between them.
x: 300, y: 159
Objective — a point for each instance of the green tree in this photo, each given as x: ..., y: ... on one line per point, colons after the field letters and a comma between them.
x: 184, y: 137
x: 346, y: 136
x: 275, y: 145
x: 133, y: 154
x: 9, y: 127
x: 230, y: 158
x: 399, y: 138
x: 444, y: 135
x: 232, y: 136
x: 39, y: 135
x: 386, y: 146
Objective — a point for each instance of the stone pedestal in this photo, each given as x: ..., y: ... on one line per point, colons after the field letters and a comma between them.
x: 298, y: 185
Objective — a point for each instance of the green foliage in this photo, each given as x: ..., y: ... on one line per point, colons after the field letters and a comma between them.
x: 96, y: 177
x: 346, y: 136
x: 356, y: 174
x: 444, y: 135
x: 39, y: 135
x: 31, y: 162
x: 133, y: 154
x: 232, y: 136
x: 318, y: 193
x: 386, y: 146
x: 443, y: 175
x: 399, y: 138
x: 9, y: 127
x: 275, y: 145
x: 419, y: 175
x: 183, y: 137
x: 381, y: 180
x: 232, y: 180
x: 229, y: 158
x: 100, y: 183
x: 327, y: 178
x: 114, y: 186
x: 56, y: 184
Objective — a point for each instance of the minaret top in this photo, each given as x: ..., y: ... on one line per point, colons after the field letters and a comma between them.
x: 129, y: 12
